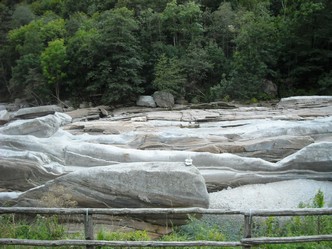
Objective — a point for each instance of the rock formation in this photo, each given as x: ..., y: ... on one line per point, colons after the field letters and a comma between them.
x: 229, y: 147
x: 128, y: 185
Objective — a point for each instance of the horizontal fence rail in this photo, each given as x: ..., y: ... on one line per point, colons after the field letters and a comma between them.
x: 246, y: 242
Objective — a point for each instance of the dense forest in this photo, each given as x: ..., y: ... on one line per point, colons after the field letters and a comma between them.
x: 111, y: 51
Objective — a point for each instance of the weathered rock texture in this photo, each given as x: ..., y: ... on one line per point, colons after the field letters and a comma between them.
x: 40, y: 127
x: 128, y: 185
x: 163, y: 99
x: 230, y: 147
x: 21, y: 175
x: 38, y: 111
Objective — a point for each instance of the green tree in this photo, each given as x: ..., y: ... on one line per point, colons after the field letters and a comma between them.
x: 27, y: 43
x: 22, y: 15
x: 83, y: 58
x: 196, y: 65
x: 140, y: 5
x: 5, y: 52
x: 41, y: 7
x: 151, y: 35
x: 222, y: 27
x: 169, y: 76
x: 117, y: 74
x: 53, y: 63
x: 306, y: 60
x: 258, y: 44
x: 182, y: 23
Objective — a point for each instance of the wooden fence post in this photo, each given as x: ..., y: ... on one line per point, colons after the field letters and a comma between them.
x: 247, y: 229
x: 88, y: 228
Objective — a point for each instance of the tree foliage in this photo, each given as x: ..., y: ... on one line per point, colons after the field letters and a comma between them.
x: 169, y: 75
x: 117, y: 49
x: 53, y: 63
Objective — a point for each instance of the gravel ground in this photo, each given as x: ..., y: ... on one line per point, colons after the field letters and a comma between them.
x: 277, y: 195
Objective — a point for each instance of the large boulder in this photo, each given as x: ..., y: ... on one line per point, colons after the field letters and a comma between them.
x: 146, y: 101
x: 163, y: 99
x: 40, y: 127
x: 134, y: 185
x: 4, y: 117
x: 38, y: 111
x: 270, y: 88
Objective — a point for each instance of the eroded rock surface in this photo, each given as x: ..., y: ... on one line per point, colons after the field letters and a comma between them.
x: 40, y: 127
x: 21, y: 175
x: 127, y: 185
x: 230, y: 147
x: 35, y: 112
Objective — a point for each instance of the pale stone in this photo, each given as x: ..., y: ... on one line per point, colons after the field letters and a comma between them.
x: 305, y: 101
x: 4, y: 117
x: 40, y: 127
x: 146, y: 101
x: 38, y: 111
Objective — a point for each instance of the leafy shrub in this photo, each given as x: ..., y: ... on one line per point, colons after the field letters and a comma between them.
x: 196, y: 230
x: 299, y: 226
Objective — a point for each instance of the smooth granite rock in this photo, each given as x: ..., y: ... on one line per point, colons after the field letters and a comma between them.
x: 127, y: 186
x: 21, y: 175
x: 40, y: 127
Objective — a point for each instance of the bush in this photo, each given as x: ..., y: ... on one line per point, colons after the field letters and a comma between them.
x: 299, y: 226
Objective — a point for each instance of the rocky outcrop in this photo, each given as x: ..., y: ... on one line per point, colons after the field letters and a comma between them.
x: 219, y: 170
x: 163, y: 99
x: 128, y: 185
x: 311, y: 158
x: 242, y: 146
x: 35, y: 112
x: 40, y: 127
x: 88, y: 114
x: 269, y: 139
x: 4, y: 117
x: 21, y: 175
x: 305, y: 102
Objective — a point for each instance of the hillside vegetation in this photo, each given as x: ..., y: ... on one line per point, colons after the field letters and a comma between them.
x: 111, y: 51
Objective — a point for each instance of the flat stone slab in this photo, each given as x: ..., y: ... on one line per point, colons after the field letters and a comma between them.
x: 305, y: 101
x: 38, y: 111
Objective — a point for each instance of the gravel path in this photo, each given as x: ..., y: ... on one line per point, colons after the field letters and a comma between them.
x: 277, y: 195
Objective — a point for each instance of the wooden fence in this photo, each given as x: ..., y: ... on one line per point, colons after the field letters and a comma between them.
x: 246, y: 242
